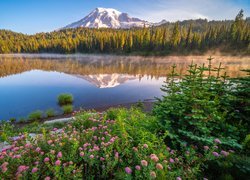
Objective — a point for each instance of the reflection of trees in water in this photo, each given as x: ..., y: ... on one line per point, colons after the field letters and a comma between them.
x: 151, y: 67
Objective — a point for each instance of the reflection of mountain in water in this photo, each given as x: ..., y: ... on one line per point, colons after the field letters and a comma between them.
x: 86, y: 65
x: 107, y: 80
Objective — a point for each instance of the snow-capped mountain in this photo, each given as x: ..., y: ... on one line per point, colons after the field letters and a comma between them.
x: 107, y: 80
x: 109, y: 18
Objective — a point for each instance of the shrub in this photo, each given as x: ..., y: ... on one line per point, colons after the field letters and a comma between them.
x: 126, y: 148
x: 50, y: 113
x: 67, y: 109
x: 12, y: 120
x: 65, y: 99
x: 195, y: 110
x: 36, y: 115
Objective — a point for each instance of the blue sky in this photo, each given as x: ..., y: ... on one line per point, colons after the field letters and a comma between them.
x: 32, y: 16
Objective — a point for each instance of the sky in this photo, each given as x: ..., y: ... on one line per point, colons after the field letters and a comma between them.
x: 33, y: 16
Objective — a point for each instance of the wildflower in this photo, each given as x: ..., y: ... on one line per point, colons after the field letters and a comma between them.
x: 128, y: 170
x: 46, y: 159
x: 49, y: 141
x: 217, y: 141
x: 102, y: 158
x: 22, y: 168
x: 81, y: 154
x: 159, y: 166
x: 135, y: 149
x: 57, y: 163
x: 153, y: 174
x: 116, y: 155
x: 216, y: 154
x: 206, y: 148
x: 224, y: 153
x: 171, y: 160
x: 52, y: 151
x: 144, y: 163
x: 59, y: 155
x: 145, y: 145
x: 70, y: 162
x: 38, y: 149
x: 91, y: 156
x: 178, y: 178
x: 154, y: 158
x: 138, y: 167
x: 34, y: 170
x: 47, y: 178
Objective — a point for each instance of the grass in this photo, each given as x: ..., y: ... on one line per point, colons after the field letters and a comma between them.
x: 65, y: 99
x: 36, y: 115
x: 67, y: 109
x: 50, y: 113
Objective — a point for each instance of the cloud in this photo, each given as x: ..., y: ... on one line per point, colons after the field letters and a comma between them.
x: 173, y: 10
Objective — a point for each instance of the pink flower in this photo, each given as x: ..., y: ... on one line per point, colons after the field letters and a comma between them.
x: 206, y: 148
x: 128, y: 170
x: 46, y: 159
x: 153, y: 174
x: 145, y: 145
x: 34, y: 170
x: 224, y: 153
x: 91, y: 156
x: 81, y: 154
x: 154, y: 158
x: 135, y: 149
x: 102, y: 158
x: 159, y: 166
x: 144, y: 163
x: 171, y: 160
x: 116, y: 155
x: 58, y: 163
x: 52, y: 151
x: 38, y: 149
x: 217, y: 141
x: 47, y: 178
x: 215, y: 154
x: 4, y: 169
x: 178, y: 178
x: 22, y: 168
x: 49, y: 141
x: 138, y: 167
x: 59, y: 155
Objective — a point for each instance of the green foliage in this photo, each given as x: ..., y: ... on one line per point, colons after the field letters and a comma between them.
x: 233, y: 167
x: 246, y: 144
x: 6, y: 131
x: 34, y: 116
x: 196, y: 108
x: 67, y: 109
x: 64, y: 99
x: 178, y: 37
x: 50, y: 113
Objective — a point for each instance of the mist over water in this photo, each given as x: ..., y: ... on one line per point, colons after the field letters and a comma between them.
x: 33, y: 82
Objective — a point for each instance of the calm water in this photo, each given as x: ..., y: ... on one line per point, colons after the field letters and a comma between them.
x: 29, y: 83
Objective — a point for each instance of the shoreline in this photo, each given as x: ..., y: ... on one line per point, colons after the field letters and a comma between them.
x: 147, y: 104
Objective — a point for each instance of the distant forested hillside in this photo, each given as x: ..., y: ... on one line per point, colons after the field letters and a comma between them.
x: 190, y: 36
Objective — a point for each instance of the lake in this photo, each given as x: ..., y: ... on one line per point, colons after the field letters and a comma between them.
x: 33, y: 82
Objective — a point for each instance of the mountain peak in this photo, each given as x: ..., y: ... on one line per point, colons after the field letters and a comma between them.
x: 108, y: 18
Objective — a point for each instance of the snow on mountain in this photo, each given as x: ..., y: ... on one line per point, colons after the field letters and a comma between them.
x: 107, y: 80
x: 109, y: 18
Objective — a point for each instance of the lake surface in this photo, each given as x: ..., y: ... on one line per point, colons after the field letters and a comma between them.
x: 33, y: 82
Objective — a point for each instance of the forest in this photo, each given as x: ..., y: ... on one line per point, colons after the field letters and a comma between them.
x: 185, y: 37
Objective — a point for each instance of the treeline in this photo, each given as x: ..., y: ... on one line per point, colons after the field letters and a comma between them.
x: 193, y: 36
